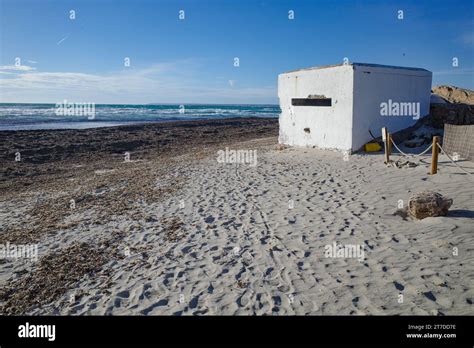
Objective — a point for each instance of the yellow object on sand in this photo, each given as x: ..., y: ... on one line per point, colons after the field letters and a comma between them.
x: 372, y: 147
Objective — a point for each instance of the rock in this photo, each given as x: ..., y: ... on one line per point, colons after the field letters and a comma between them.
x: 436, y: 99
x: 450, y: 113
x: 428, y: 203
x: 457, y: 109
x: 455, y: 94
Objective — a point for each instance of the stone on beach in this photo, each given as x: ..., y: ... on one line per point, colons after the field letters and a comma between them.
x: 428, y: 203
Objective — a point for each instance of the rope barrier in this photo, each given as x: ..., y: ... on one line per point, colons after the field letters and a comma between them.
x: 454, y: 162
x: 425, y: 151
x: 408, y: 155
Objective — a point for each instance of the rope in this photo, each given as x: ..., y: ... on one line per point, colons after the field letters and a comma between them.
x: 454, y: 162
x: 426, y: 150
x: 408, y: 155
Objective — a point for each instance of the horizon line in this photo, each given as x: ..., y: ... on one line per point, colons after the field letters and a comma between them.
x: 151, y: 104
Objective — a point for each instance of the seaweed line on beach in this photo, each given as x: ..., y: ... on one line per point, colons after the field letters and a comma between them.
x: 56, y: 273
x: 107, y: 195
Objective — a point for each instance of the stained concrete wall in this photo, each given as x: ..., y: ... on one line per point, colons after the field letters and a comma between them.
x: 357, y: 91
x: 374, y: 85
x: 330, y: 127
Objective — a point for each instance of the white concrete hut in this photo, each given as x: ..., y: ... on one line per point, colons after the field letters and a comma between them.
x: 334, y: 107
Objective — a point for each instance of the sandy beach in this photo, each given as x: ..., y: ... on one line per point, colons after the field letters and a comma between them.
x: 145, y: 220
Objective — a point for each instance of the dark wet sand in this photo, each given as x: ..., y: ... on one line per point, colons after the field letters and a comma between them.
x: 51, y: 152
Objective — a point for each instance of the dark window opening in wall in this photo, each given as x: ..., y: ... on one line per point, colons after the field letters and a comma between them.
x: 311, y: 102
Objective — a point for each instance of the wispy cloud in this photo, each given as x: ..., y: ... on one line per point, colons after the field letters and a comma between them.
x: 17, y: 67
x: 169, y: 82
x: 454, y: 71
x: 62, y: 40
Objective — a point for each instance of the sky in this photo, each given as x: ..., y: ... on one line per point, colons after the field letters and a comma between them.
x: 46, y: 56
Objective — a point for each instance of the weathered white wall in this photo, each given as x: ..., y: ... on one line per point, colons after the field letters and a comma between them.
x: 357, y: 92
x: 375, y: 85
x: 330, y: 126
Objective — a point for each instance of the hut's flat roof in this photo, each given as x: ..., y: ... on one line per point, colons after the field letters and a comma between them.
x: 361, y: 65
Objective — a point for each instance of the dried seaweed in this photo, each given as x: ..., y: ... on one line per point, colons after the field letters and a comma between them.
x: 56, y: 273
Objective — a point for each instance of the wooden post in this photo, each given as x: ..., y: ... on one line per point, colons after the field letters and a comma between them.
x: 385, y: 141
x: 389, y: 143
x: 434, y: 156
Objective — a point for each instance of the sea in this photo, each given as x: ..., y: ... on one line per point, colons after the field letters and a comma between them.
x: 63, y: 116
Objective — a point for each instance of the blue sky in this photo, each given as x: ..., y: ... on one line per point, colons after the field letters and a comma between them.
x: 192, y: 60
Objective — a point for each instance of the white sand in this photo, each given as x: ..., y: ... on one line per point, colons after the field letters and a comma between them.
x: 244, y: 251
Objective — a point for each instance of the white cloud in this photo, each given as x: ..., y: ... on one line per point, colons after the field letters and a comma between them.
x: 17, y: 67
x: 177, y: 82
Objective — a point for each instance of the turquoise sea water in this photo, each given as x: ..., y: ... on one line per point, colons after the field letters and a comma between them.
x: 45, y: 116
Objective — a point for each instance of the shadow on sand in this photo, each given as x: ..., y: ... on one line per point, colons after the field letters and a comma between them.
x: 461, y: 213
